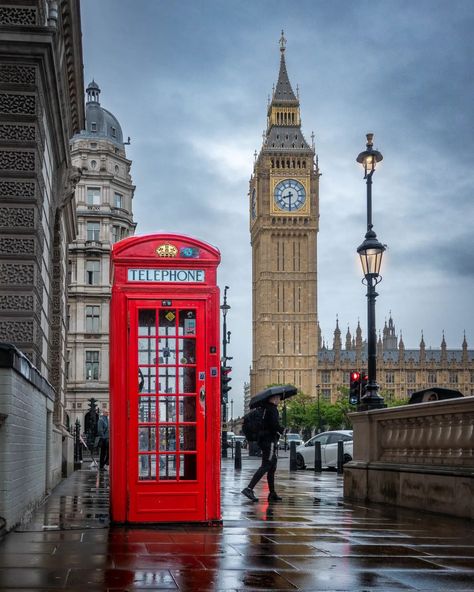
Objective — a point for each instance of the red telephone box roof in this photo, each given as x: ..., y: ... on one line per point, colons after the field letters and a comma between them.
x: 172, y: 247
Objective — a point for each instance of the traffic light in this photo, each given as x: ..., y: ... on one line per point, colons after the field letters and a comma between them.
x: 364, y: 379
x: 225, y: 379
x: 354, y: 389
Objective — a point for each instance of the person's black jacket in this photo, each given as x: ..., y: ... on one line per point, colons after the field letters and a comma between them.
x: 271, y: 425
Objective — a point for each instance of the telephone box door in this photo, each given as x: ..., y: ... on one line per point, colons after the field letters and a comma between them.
x: 166, y: 409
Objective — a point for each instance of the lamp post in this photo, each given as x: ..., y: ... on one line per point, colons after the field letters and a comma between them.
x: 225, y: 340
x: 318, y: 394
x: 371, y: 252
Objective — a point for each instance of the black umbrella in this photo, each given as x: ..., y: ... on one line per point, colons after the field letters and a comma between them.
x: 285, y: 391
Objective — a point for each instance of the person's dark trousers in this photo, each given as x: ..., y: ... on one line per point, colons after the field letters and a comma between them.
x: 104, y: 453
x: 269, y: 465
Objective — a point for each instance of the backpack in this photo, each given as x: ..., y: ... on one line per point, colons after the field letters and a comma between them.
x: 253, y: 424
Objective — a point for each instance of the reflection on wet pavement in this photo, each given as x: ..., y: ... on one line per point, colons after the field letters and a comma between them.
x: 313, y: 541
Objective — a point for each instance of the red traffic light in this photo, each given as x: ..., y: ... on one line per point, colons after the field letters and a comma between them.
x: 355, y: 376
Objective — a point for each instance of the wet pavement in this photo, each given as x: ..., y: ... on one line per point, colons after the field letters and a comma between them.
x: 312, y: 540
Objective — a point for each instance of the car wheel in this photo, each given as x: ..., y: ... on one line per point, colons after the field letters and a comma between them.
x: 300, y: 461
x: 347, y: 458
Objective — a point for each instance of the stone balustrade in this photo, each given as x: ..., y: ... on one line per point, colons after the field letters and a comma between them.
x: 419, y: 456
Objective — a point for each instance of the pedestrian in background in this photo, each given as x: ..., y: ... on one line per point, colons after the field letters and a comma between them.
x: 103, y: 435
x: 268, y: 442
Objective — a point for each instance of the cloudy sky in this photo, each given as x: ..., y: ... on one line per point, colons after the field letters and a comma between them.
x: 189, y: 80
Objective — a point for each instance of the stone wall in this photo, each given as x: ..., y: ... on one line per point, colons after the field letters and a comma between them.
x: 30, y: 447
x: 417, y: 456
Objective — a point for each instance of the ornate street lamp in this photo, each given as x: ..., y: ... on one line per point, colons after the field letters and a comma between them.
x: 371, y: 252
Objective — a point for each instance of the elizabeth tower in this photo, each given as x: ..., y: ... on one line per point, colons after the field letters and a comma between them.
x: 284, y: 213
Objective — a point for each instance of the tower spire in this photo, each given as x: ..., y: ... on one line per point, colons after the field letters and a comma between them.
x: 283, y: 90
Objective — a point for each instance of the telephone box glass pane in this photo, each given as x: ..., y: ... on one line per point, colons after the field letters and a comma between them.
x: 187, y: 467
x: 187, y: 351
x: 187, y: 380
x: 167, y: 351
x: 187, y: 438
x: 168, y: 467
x: 167, y: 409
x: 146, y: 467
x: 187, y: 322
x: 146, y: 380
x: 146, y: 351
x: 167, y: 322
x: 167, y: 438
x: 146, y: 322
x: 187, y: 409
x: 146, y: 409
x: 167, y: 380
x: 146, y: 439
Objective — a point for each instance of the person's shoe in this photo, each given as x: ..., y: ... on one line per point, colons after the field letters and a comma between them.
x: 250, y: 494
x: 274, y: 497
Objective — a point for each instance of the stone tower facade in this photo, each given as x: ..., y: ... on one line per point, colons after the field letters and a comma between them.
x: 284, y: 212
x: 41, y: 108
x: 104, y: 197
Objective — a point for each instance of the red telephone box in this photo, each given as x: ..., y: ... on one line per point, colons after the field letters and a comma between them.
x: 164, y: 380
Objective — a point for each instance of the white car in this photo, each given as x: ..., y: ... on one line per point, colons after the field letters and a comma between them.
x: 328, y: 440
x: 285, y: 441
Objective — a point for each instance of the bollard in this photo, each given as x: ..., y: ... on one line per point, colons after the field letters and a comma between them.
x: 340, y: 457
x: 293, y: 466
x: 238, y: 456
x: 318, y: 465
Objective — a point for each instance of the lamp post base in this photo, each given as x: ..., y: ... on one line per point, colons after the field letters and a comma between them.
x: 371, y: 399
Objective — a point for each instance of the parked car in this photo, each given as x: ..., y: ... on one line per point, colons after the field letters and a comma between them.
x: 241, y: 439
x: 285, y: 441
x: 434, y: 394
x: 328, y: 440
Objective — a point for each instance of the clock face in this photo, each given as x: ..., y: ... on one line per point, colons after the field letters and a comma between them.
x: 254, y: 204
x: 290, y: 195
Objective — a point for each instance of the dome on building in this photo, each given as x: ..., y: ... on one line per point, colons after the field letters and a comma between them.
x: 100, y: 123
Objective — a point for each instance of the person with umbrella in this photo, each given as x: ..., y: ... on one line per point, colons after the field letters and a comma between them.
x: 268, y: 438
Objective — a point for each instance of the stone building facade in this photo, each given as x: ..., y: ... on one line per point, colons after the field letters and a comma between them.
x: 400, y: 370
x: 103, y: 201
x: 284, y: 215
x: 41, y: 108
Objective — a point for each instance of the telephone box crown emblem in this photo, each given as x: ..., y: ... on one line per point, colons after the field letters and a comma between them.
x: 166, y: 250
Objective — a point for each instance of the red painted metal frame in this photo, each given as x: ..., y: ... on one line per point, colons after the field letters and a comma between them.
x: 141, y: 252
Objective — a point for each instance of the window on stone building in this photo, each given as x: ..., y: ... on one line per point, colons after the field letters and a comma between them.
x: 93, y: 126
x: 453, y: 378
x: 411, y: 377
x: 68, y: 363
x: 92, y: 272
x: 118, y: 200
x: 326, y: 377
x: 326, y: 394
x: 92, y: 319
x: 93, y: 196
x: 432, y: 378
x: 390, y: 377
x: 92, y: 365
x: 115, y: 231
x: 472, y: 377
x: 93, y: 231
